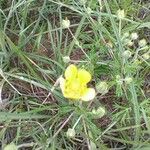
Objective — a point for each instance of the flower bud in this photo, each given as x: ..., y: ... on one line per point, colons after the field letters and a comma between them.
x: 118, y: 79
x: 128, y: 80
x: 146, y: 56
x: 102, y: 87
x: 66, y: 59
x: 71, y: 133
x: 142, y: 43
x: 127, y: 54
x: 137, y: 62
x: 98, y: 113
x: 121, y: 14
x: 65, y: 23
x: 130, y: 43
x: 134, y: 36
x: 89, y: 10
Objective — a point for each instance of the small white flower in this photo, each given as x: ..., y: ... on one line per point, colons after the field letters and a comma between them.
x: 71, y: 133
x: 134, y: 36
x: 121, y: 14
x: 142, y: 43
x: 66, y: 23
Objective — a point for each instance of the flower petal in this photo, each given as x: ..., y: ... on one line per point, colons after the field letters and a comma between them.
x: 62, y: 84
x: 71, y: 72
x: 89, y: 94
x: 72, y: 89
x: 84, y: 76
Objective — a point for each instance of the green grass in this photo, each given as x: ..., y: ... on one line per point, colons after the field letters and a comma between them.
x: 34, y: 114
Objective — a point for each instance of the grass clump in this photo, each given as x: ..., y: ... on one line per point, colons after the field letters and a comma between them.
x: 39, y: 39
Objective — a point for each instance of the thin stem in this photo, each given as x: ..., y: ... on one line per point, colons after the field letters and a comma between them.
x: 79, y: 44
x: 77, y: 122
x: 120, y: 24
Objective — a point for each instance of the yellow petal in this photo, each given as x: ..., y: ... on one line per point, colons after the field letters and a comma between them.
x: 88, y: 95
x: 84, y: 76
x: 71, y: 72
x: 72, y: 96
x: 72, y: 89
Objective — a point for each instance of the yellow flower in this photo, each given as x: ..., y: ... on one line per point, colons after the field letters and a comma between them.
x: 74, y: 85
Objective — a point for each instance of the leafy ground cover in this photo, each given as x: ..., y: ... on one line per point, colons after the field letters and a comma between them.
x: 39, y: 39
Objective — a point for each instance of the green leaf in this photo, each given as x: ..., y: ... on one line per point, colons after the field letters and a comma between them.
x: 4, y: 116
x: 10, y: 146
x: 143, y: 25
